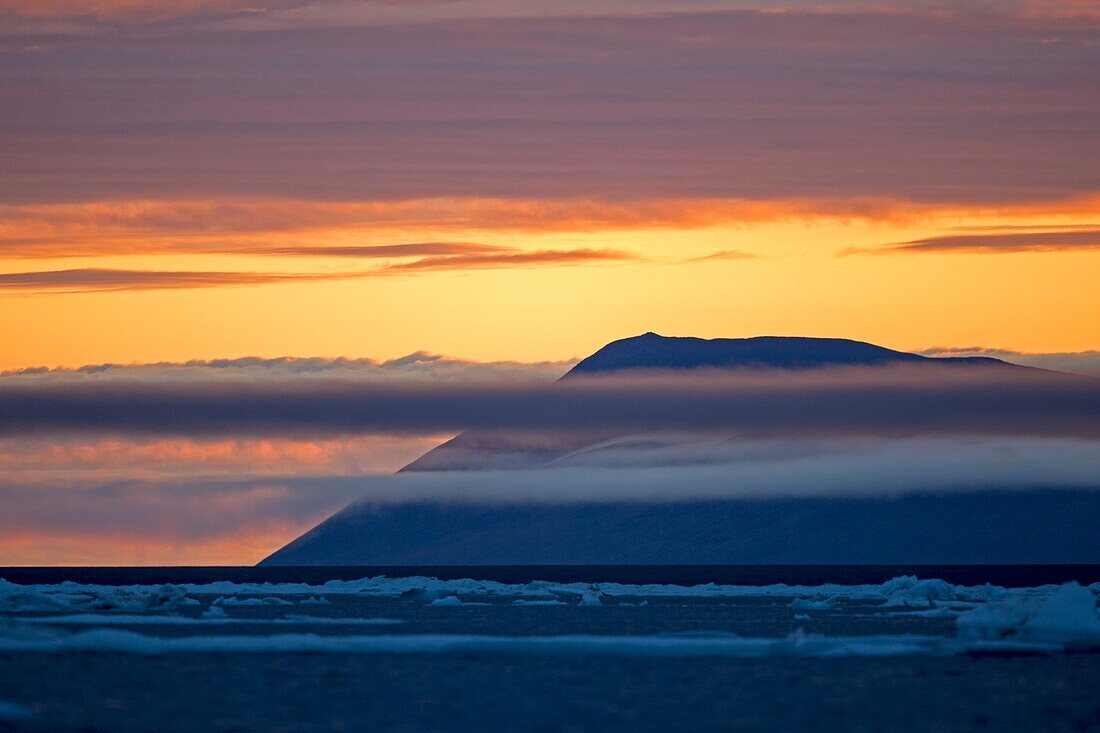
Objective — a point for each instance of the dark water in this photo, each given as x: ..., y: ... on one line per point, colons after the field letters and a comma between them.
x: 1016, y: 576
x: 567, y: 687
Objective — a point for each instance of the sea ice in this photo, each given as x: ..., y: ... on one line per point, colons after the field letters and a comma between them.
x: 1067, y: 617
x: 910, y: 592
x: 806, y: 604
x: 250, y: 601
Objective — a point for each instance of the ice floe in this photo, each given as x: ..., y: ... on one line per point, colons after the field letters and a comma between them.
x: 250, y: 601
x: 989, y: 618
x: 807, y: 604
x: 902, y: 592
x: 1067, y: 617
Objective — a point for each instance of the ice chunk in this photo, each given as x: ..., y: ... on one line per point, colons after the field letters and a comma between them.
x: 1067, y: 617
x: 447, y: 601
x: 17, y: 598
x: 215, y: 612
x: 910, y: 592
x: 251, y: 601
x: 806, y: 604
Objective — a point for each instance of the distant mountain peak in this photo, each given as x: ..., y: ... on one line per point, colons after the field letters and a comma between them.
x: 654, y: 351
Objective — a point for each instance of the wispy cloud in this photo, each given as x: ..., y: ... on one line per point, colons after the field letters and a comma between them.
x: 384, y: 251
x: 300, y: 228
x: 512, y: 259
x: 1062, y: 238
x: 724, y: 254
x: 90, y: 280
x: 1071, y: 362
x: 87, y: 280
x: 417, y: 365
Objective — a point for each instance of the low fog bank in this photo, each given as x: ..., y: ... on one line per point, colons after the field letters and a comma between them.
x: 998, y: 400
x: 763, y: 469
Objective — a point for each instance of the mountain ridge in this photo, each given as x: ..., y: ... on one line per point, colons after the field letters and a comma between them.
x: 472, y: 450
x: 974, y: 527
x: 655, y: 351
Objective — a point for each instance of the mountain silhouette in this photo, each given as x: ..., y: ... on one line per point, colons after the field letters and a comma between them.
x: 487, y: 449
x: 1023, y: 526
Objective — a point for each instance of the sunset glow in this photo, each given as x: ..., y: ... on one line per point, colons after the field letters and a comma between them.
x: 506, y: 184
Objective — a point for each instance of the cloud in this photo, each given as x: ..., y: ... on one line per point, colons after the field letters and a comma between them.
x: 298, y: 228
x: 158, y: 522
x: 45, y: 461
x: 108, y: 280
x: 373, y: 251
x: 241, y: 519
x: 103, y: 279
x: 887, y: 401
x: 725, y: 254
x: 261, y: 15
x: 769, y: 470
x: 1034, y: 241
x: 417, y: 365
x: 619, y: 106
x: 1072, y: 362
x: 511, y: 259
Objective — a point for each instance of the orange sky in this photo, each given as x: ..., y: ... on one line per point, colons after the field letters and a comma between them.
x: 517, y: 181
x: 791, y: 274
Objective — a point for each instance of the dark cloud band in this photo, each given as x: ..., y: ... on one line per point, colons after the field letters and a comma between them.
x: 991, y: 400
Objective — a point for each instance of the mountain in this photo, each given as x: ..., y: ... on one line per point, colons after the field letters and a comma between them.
x: 1042, y: 525
x: 1015, y: 527
x: 485, y: 449
x: 652, y: 351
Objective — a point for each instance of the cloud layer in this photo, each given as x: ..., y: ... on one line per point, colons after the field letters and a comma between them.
x: 956, y: 105
x: 1082, y: 238
x: 93, y: 279
x: 928, y: 399
x: 244, y: 518
x: 1072, y: 362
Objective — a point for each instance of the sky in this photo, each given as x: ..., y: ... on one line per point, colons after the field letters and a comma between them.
x: 337, y: 192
